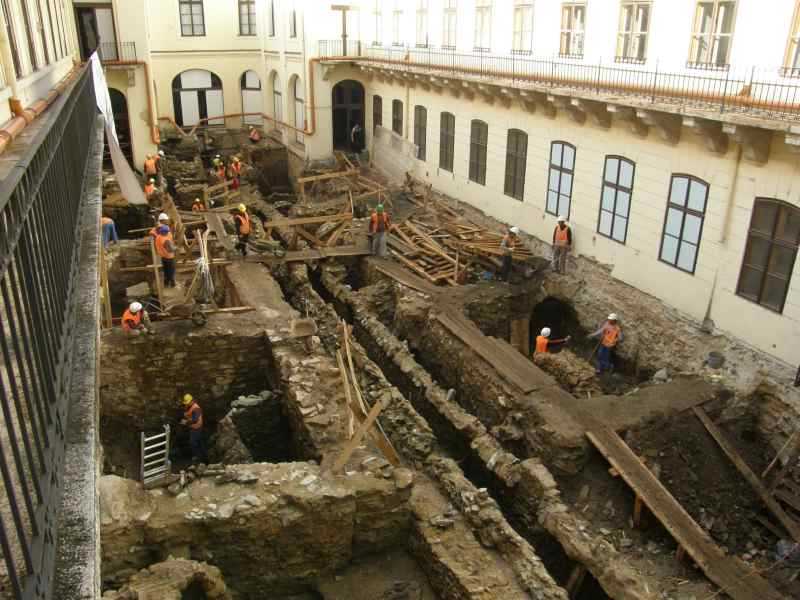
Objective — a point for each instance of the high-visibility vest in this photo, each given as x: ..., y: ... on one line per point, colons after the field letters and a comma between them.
x: 198, y: 207
x: 194, y: 409
x: 244, y: 223
x: 610, y: 335
x: 221, y: 173
x: 161, y: 245
x: 562, y: 236
x: 130, y: 320
x: 541, y: 344
x: 236, y: 168
x: 383, y: 224
x: 149, y: 188
x: 150, y: 166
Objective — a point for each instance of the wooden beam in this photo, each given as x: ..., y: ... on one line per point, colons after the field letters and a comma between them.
x: 790, y: 453
x: 325, y: 176
x: 310, y: 220
x: 159, y: 284
x: 355, y: 441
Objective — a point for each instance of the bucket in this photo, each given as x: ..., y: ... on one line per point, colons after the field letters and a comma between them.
x: 715, y: 360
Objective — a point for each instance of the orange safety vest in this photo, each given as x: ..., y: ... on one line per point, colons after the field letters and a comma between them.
x: 198, y: 207
x: 244, y: 223
x: 149, y: 188
x: 562, y: 236
x: 541, y: 344
x: 150, y: 166
x: 221, y: 173
x: 374, y: 222
x: 236, y: 168
x: 610, y: 335
x: 161, y: 245
x: 128, y: 317
x: 194, y: 408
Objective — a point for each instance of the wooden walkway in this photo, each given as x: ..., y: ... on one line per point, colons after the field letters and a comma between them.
x: 731, y: 575
x: 310, y: 254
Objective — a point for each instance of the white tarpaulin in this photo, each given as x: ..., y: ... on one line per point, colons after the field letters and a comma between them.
x: 127, y: 179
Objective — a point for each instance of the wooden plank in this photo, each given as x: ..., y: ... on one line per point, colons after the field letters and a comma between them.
x: 781, y: 455
x: 156, y: 264
x: 347, y: 394
x: 215, y: 225
x: 355, y: 441
x: 310, y: 237
x: 775, y: 508
x: 310, y: 220
x: 107, y: 316
x: 310, y: 254
x: 731, y: 575
x: 326, y: 176
x: 792, y: 454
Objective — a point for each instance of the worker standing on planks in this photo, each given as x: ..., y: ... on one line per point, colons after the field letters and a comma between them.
x: 562, y: 243
x: 136, y: 321
x: 150, y: 188
x: 163, y: 219
x: 243, y: 228
x: 165, y: 246
x: 379, y: 224
x: 193, y: 419
x: 508, y: 244
x: 544, y: 343
x: 235, y: 172
x: 610, y: 334
x: 198, y: 206
x: 150, y: 167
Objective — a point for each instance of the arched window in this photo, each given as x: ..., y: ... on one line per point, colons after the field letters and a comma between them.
x: 559, y: 182
x: 683, y: 223
x: 299, y: 110
x: 447, y: 140
x: 377, y: 112
x: 478, y: 145
x: 516, y: 157
x: 250, y: 83
x: 277, y: 100
x: 615, y: 199
x: 397, y: 117
x: 770, y: 253
x: 421, y: 131
x: 197, y: 95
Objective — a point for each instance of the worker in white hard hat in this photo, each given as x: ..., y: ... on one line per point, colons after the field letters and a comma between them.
x: 562, y: 244
x: 610, y: 334
x: 507, y: 245
x: 135, y: 320
x: 544, y: 343
x: 163, y: 219
x: 150, y: 188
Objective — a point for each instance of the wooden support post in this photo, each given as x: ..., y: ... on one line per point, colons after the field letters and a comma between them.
x: 680, y: 553
x: 575, y: 581
x: 637, y: 511
x: 157, y: 275
x: 359, y: 435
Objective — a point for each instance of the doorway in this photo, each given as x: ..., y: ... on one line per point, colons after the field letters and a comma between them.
x: 119, y: 104
x: 348, y: 109
x: 96, y: 31
x: 197, y: 95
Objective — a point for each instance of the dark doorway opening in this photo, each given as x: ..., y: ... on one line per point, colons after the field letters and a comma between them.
x: 119, y: 104
x: 96, y: 31
x: 560, y: 317
x: 348, y: 110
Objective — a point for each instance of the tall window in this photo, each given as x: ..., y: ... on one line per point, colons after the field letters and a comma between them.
x: 791, y: 62
x: 377, y: 112
x: 615, y: 200
x: 683, y: 223
x: 478, y: 146
x: 559, y: 184
x: 770, y: 253
x: 449, y: 33
x: 573, y: 27
x: 422, y: 23
x: 483, y: 25
x: 192, y: 19
x: 397, y: 117
x: 378, y: 18
x: 516, y: 157
x: 397, y: 20
x: 247, y: 17
x: 277, y: 99
x: 12, y: 38
x: 447, y: 140
x: 522, y: 42
x: 634, y: 23
x: 26, y: 18
x: 293, y: 23
x: 712, y: 34
x: 271, y: 18
x: 42, y: 34
x: 421, y: 131
x: 299, y: 110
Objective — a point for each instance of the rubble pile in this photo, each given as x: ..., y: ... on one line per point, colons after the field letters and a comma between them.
x: 571, y: 371
x: 173, y: 579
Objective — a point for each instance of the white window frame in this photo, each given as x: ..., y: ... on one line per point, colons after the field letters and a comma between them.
x: 397, y: 21
x: 704, y: 50
x: 422, y: 23
x: 252, y: 18
x: 634, y: 28
x: 449, y: 24
x: 482, y: 41
x: 191, y: 4
x: 378, y: 17
x: 522, y: 41
x: 573, y: 29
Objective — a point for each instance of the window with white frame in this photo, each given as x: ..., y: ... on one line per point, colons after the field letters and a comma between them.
x: 522, y: 42
x: 573, y: 29
x: 299, y: 110
x: 483, y: 25
x: 615, y: 199
x: 712, y: 34
x: 683, y: 223
x: 634, y: 24
x: 247, y: 17
x: 449, y: 30
x: 791, y: 63
x: 559, y: 183
x: 293, y: 23
x: 192, y: 18
x: 271, y: 18
x: 377, y: 17
x: 422, y: 23
x: 397, y: 20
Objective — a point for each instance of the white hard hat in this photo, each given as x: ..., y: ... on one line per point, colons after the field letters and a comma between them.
x: 546, y: 332
x: 514, y: 230
x: 613, y: 317
x: 163, y: 217
x: 135, y: 307
x: 562, y: 218
x: 161, y: 153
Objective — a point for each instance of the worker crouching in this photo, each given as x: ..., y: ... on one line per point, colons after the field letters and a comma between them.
x: 165, y: 246
x: 544, y: 343
x: 610, y: 334
x: 379, y: 224
x: 241, y: 221
x: 193, y: 419
x: 136, y: 321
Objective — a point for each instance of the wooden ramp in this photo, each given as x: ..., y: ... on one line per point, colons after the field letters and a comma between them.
x: 730, y: 574
x: 405, y: 277
x: 311, y: 254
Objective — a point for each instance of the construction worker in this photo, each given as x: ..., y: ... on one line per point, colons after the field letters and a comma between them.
x: 355, y: 138
x: 241, y: 220
x: 610, y: 334
x: 544, y: 343
x: 220, y: 171
x: 235, y: 172
x: 562, y: 242
x: 198, y: 206
x: 379, y: 224
x: 165, y: 246
x: 135, y: 320
x: 508, y: 244
x: 193, y: 419
x: 163, y: 219
x: 150, y: 167
x: 254, y: 136
x: 150, y: 188
x: 160, y: 167
x: 109, y: 231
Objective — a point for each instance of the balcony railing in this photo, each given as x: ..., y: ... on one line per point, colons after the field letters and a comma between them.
x: 762, y: 93
x: 40, y: 209
x: 117, y: 51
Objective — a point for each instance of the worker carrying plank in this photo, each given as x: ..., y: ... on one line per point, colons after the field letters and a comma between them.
x: 379, y: 224
x: 136, y: 321
x: 562, y: 243
x: 241, y: 221
x: 193, y: 419
x: 508, y: 244
x: 544, y: 343
x: 610, y: 334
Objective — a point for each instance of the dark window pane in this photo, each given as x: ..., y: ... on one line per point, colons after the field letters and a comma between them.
x: 774, y: 292
x: 788, y: 228
x: 781, y: 262
x: 750, y: 283
x: 757, y: 252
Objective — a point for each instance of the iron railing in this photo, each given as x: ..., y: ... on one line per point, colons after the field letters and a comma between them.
x: 760, y: 92
x: 117, y: 51
x: 40, y: 209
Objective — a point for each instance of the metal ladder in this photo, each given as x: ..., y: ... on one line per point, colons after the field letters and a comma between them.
x: 155, y: 461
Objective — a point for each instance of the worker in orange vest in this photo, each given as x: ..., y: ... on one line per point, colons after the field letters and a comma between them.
x: 379, y: 224
x: 150, y: 188
x: 163, y: 219
x: 165, y: 246
x: 135, y: 320
x: 193, y: 419
x: 610, y: 334
x: 198, y: 206
x: 235, y: 172
x: 562, y: 243
x: 241, y: 221
x: 254, y: 135
x: 508, y: 244
x: 150, y: 166
x: 544, y: 343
